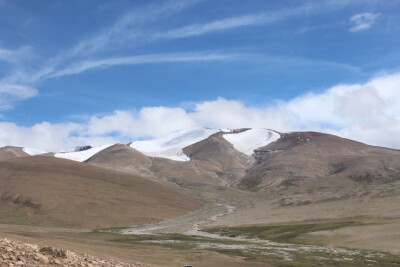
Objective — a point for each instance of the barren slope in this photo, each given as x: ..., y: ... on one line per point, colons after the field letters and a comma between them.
x: 11, y: 152
x: 127, y: 159
x: 56, y: 192
x: 322, y: 167
x: 216, y: 155
x: 122, y: 158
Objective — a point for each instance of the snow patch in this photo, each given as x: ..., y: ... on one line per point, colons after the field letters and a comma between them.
x: 33, y: 151
x: 226, y: 130
x: 251, y: 139
x: 75, y: 149
x: 171, y: 146
x: 81, y: 155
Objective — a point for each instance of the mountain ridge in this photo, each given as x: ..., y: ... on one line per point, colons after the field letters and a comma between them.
x: 294, y: 163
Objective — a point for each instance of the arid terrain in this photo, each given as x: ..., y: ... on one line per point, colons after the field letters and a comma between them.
x: 57, y: 192
x: 300, y: 199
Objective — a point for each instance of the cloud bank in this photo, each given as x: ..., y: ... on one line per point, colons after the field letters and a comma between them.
x: 368, y: 112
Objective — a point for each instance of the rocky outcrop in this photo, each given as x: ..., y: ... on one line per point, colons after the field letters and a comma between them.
x: 14, y: 253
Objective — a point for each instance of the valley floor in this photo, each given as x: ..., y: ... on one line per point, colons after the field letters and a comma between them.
x: 136, y: 253
x: 236, y: 228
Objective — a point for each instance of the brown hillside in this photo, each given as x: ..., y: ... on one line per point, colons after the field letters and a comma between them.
x: 183, y: 173
x: 11, y: 152
x: 56, y: 192
x: 126, y: 159
x: 122, y: 158
x: 216, y: 155
x: 323, y: 166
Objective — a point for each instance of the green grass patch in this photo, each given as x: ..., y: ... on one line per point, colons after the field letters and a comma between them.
x: 289, y: 233
x: 12, y: 215
x: 172, y: 240
x: 315, y: 259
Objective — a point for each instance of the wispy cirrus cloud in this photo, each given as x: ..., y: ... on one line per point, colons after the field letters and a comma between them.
x: 129, y: 26
x: 363, y: 21
x: 11, y: 93
x: 301, y: 61
x: 218, y: 25
x: 127, y: 30
x: 185, y: 57
x: 143, y: 59
x: 15, y: 55
x: 307, y: 8
x: 198, y: 56
x: 132, y: 29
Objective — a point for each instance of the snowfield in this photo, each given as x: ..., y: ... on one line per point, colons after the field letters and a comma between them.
x: 33, y: 151
x: 171, y: 146
x: 82, y: 155
x: 251, y: 139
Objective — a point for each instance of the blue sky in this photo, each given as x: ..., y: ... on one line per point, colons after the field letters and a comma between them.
x: 66, y: 63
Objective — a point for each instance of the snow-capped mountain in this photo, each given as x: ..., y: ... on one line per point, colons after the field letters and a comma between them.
x: 171, y: 146
x: 248, y: 158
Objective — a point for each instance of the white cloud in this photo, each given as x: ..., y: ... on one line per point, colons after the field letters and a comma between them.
x: 11, y: 93
x: 363, y: 21
x: 368, y: 112
x: 47, y: 136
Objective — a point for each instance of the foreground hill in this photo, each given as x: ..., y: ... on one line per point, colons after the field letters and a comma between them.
x: 57, y: 192
x: 323, y: 167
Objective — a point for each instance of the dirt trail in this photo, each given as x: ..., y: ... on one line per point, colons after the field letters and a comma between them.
x: 196, y: 227
x: 188, y: 224
x: 217, y: 202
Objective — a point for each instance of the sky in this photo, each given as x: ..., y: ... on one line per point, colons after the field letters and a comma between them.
x: 95, y: 72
